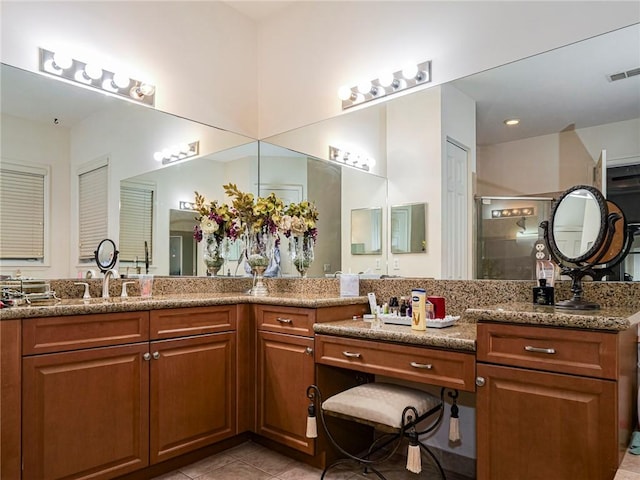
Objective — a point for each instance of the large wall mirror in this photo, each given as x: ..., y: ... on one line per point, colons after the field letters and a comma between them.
x: 47, y: 122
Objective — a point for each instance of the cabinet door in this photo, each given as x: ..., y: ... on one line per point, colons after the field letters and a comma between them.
x: 537, y: 426
x: 285, y: 370
x: 192, y: 393
x: 85, y: 413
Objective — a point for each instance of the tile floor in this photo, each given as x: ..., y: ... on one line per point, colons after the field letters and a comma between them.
x: 251, y: 461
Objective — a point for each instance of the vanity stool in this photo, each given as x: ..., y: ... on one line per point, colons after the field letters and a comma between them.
x: 394, y: 411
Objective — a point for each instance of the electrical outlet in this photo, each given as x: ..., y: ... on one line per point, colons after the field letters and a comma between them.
x: 396, y: 264
x: 327, y: 268
x: 377, y: 264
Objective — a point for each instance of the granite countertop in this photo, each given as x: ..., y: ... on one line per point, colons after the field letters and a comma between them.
x: 461, y: 336
x: 78, y: 306
x: 530, y: 314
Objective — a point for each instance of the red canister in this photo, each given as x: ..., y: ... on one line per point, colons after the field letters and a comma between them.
x: 438, y: 306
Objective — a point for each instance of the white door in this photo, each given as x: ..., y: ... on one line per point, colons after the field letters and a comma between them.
x: 455, y: 221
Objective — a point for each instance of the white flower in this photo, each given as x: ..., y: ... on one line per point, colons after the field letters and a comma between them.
x: 285, y: 223
x: 209, y: 226
x: 298, y: 226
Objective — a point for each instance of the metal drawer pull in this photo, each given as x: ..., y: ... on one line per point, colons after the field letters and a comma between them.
x: 284, y: 320
x: 426, y: 366
x: 550, y: 351
x: 352, y: 354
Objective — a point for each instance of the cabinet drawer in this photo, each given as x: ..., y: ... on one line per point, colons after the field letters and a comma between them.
x: 297, y: 321
x: 559, y: 350
x: 416, y: 364
x: 58, y: 334
x: 182, y: 322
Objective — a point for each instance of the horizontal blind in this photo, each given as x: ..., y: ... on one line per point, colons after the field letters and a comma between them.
x: 93, y: 199
x: 136, y: 221
x: 21, y: 214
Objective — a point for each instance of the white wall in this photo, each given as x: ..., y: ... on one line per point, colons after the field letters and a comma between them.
x: 200, y: 55
x: 43, y: 145
x: 553, y: 163
x: 309, y: 49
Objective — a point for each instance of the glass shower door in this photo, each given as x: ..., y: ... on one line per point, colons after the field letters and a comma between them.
x: 506, y: 234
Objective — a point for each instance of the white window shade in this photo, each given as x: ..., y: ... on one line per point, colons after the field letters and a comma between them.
x: 93, y: 214
x: 22, y: 204
x: 136, y: 221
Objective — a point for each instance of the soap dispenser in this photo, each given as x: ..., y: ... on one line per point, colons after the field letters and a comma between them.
x: 543, y: 294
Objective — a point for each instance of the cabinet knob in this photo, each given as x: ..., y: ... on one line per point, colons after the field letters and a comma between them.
x: 146, y: 356
x: 308, y: 351
x: 156, y: 355
x: 480, y: 381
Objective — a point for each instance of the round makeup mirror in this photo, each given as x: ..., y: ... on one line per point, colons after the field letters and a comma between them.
x: 106, y: 255
x: 587, y: 235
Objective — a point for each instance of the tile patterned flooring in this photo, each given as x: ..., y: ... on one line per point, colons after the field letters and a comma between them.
x: 250, y: 461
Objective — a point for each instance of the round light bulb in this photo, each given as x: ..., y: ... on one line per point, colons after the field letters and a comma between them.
x: 158, y: 156
x: 120, y: 80
x: 410, y: 71
x: 175, y: 150
x: 185, y: 148
x: 344, y: 92
x: 364, y: 86
x: 92, y: 71
x: 62, y: 61
x: 147, y: 89
x: 385, y: 79
x: 166, y: 153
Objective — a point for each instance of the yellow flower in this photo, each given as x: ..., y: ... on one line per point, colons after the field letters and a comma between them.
x: 209, y: 226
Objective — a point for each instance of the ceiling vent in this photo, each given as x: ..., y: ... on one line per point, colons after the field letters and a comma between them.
x: 619, y: 76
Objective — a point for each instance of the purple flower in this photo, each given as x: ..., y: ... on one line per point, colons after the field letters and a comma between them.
x: 197, y: 233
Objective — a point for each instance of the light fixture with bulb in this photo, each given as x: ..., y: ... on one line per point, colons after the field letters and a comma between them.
x: 386, y: 84
x: 511, y: 122
x: 351, y: 159
x: 177, y: 152
x: 93, y: 75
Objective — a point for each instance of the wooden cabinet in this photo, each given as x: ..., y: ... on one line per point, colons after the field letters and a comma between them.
x: 285, y: 364
x: 85, y: 413
x: 96, y: 405
x: 552, y: 402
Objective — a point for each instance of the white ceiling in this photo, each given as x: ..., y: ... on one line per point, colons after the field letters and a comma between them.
x: 258, y: 10
x: 564, y: 88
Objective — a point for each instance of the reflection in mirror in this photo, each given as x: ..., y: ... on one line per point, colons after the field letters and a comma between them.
x: 62, y: 128
x: 173, y: 229
x: 409, y: 228
x: 562, y: 133
x: 106, y: 255
x: 366, y: 231
x: 577, y: 225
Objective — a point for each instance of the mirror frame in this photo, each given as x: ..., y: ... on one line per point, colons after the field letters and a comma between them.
x: 597, y: 244
x: 98, y: 252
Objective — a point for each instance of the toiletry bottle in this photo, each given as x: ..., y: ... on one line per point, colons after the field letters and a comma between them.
x: 543, y: 295
x: 403, y: 307
x: 418, y: 300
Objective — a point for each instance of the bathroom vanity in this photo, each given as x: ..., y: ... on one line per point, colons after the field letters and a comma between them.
x: 172, y: 377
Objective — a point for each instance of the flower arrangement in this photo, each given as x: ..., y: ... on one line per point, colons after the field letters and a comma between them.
x: 214, y: 219
x: 262, y: 214
x: 299, y: 220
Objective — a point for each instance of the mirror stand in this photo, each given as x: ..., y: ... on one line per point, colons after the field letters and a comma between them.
x: 577, y: 302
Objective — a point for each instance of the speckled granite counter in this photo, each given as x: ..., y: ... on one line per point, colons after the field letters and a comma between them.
x: 461, y: 336
x: 609, y: 318
x: 117, y: 304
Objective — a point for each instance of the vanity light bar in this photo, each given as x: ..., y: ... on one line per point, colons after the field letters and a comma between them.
x: 177, y: 153
x: 387, y: 84
x: 187, y: 205
x: 94, y: 76
x: 350, y: 159
x: 514, y: 212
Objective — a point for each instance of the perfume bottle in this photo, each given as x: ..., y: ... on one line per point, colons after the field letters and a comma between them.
x: 543, y: 295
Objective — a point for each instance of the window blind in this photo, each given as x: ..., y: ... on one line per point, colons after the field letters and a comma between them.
x: 22, y: 200
x: 136, y: 221
x: 93, y: 204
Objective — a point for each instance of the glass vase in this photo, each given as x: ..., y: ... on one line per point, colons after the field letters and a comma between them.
x: 259, y: 248
x: 213, y: 254
x: 301, y: 252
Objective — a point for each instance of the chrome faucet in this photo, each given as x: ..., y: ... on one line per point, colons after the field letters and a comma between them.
x: 105, y: 282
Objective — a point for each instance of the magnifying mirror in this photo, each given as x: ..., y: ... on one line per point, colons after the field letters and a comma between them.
x: 587, y: 235
x: 106, y: 255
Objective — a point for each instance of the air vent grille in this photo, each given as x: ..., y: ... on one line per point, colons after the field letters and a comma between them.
x: 622, y: 75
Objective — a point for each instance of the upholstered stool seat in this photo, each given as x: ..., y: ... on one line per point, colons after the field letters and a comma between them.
x: 394, y: 411
x: 379, y: 404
